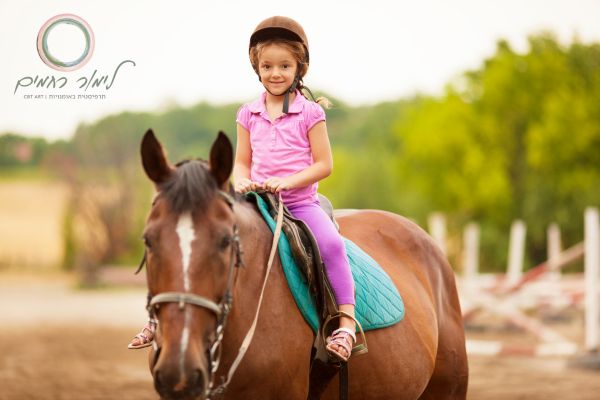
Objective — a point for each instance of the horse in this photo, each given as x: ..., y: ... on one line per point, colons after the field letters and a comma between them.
x: 207, y: 252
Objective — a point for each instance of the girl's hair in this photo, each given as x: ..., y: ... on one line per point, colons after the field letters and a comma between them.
x: 297, y: 51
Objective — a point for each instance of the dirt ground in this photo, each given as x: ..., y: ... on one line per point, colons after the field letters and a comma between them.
x: 80, y: 353
x: 72, y: 362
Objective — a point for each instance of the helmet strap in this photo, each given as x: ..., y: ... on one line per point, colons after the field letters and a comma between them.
x: 286, y: 98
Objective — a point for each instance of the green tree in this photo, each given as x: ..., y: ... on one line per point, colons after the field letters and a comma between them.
x: 517, y: 138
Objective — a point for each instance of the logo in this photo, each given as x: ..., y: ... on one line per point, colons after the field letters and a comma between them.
x: 65, y: 43
x: 52, y: 61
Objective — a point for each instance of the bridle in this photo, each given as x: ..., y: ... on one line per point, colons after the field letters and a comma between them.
x: 221, y: 309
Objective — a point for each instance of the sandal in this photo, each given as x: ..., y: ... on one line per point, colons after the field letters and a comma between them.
x: 144, y: 339
x: 344, y: 338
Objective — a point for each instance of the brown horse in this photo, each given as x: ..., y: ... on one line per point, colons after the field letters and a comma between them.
x: 206, y: 294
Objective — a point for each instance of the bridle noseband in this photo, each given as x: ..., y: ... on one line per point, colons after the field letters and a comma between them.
x: 221, y: 309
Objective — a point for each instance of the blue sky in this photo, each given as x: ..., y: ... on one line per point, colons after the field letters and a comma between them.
x: 190, y: 51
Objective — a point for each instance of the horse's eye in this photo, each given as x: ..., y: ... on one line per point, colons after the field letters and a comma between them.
x: 147, y: 242
x: 225, y: 242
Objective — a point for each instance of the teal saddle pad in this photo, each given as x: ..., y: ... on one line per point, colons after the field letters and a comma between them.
x: 378, y: 303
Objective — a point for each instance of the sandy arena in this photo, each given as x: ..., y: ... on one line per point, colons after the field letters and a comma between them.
x: 60, y: 343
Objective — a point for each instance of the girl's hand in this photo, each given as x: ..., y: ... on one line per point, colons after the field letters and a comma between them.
x: 275, y: 184
x: 246, y: 185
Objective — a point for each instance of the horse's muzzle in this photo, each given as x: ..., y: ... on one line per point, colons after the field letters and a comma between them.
x: 179, y: 380
x: 171, y: 387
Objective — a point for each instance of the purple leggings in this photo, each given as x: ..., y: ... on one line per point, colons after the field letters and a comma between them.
x: 332, y: 248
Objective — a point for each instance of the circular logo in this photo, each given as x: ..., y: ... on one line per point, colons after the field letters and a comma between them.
x: 52, y: 61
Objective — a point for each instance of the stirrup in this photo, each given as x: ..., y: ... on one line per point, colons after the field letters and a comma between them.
x: 358, y: 349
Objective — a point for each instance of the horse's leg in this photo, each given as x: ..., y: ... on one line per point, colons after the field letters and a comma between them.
x: 451, y: 374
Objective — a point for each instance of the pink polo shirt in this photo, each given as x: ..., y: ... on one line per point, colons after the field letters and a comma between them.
x: 281, y: 147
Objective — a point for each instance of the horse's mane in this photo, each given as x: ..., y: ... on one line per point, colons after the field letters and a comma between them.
x: 190, y: 187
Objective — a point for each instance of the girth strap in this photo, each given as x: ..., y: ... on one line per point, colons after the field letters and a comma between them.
x: 344, y: 381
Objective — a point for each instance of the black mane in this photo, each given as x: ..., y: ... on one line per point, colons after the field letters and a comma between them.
x: 190, y: 187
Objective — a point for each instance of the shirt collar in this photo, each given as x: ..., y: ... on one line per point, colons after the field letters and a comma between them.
x: 258, y: 106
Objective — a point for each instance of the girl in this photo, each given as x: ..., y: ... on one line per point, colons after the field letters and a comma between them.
x: 282, y: 146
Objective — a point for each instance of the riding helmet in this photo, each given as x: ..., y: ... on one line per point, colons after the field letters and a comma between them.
x: 279, y: 27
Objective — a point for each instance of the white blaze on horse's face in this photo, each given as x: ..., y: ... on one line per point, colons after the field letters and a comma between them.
x: 185, y: 232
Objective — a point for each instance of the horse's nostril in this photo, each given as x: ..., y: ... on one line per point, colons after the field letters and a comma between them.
x: 197, y: 382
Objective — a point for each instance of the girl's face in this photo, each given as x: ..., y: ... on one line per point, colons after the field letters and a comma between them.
x: 277, y: 68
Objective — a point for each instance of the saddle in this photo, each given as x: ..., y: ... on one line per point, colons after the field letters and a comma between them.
x: 305, y: 252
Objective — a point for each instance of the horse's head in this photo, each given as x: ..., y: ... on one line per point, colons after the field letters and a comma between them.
x: 191, y: 250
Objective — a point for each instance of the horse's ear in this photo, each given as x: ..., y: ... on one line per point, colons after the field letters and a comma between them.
x: 221, y: 160
x: 154, y: 159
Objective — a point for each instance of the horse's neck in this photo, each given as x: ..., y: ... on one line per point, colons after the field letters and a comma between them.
x: 256, y: 240
x: 279, y: 319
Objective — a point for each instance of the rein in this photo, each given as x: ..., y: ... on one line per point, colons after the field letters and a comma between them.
x: 221, y: 309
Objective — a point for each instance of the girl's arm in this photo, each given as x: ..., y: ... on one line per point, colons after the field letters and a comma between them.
x: 243, y: 161
x: 320, y: 169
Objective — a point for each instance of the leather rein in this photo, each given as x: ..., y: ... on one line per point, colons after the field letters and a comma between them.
x: 221, y: 309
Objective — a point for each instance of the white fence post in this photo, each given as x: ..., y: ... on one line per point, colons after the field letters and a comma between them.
x: 471, y: 253
x: 516, y: 252
x: 592, y: 270
x: 554, y: 250
x: 437, y: 229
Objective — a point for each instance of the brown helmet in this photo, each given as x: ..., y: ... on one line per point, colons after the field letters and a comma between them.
x: 279, y: 28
